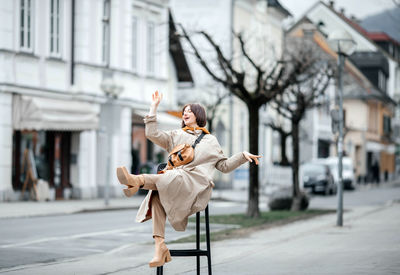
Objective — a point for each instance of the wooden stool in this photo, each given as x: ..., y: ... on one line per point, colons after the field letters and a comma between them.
x: 195, y: 252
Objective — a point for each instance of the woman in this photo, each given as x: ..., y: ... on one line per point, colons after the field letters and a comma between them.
x: 184, y: 190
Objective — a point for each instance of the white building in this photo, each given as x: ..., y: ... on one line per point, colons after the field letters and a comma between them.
x: 261, y: 24
x: 58, y: 59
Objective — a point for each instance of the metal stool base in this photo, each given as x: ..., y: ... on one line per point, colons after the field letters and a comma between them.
x: 195, y: 252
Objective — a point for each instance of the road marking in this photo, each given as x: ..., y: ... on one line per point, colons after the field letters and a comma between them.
x: 77, y: 236
x: 117, y: 249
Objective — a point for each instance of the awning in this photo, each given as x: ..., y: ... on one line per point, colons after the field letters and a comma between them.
x: 39, y: 113
x: 165, y: 121
x: 379, y: 147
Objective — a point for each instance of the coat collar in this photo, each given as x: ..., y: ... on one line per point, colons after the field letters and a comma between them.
x: 195, y: 130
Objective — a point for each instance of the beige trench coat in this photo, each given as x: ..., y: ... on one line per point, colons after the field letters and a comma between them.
x: 187, y: 189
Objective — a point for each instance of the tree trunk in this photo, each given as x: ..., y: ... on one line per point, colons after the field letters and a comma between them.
x: 210, y: 125
x: 284, y: 159
x: 253, y: 210
x: 295, y: 168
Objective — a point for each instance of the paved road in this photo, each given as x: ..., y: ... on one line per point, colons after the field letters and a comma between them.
x: 53, y: 238
x: 36, y: 244
x: 364, y: 195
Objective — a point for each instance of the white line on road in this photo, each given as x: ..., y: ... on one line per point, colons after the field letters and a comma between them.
x: 77, y: 236
x: 120, y: 248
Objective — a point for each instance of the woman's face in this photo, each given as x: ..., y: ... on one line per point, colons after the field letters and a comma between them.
x: 189, y: 118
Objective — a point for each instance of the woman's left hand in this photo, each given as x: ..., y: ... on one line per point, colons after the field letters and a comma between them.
x: 251, y: 157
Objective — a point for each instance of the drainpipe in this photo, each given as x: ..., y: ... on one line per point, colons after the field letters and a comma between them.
x: 230, y: 95
x: 72, y: 42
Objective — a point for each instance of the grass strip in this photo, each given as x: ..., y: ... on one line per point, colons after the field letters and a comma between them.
x: 248, y: 225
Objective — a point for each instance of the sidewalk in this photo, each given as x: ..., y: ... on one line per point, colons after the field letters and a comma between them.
x: 368, y: 243
x: 33, y: 208
x: 62, y: 207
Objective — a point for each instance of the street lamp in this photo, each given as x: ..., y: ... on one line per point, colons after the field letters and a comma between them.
x: 343, y: 44
x: 112, y: 91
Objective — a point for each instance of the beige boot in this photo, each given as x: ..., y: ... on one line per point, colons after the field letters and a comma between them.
x: 161, y: 253
x: 133, y: 182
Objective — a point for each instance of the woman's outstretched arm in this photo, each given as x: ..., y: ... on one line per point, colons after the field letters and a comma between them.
x: 159, y: 137
x: 227, y: 165
x: 156, y: 99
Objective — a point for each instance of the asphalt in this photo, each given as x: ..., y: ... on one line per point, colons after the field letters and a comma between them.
x: 367, y: 243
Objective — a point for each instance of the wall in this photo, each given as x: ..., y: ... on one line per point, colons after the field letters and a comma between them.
x: 5, y: 147
x: 39, y: 73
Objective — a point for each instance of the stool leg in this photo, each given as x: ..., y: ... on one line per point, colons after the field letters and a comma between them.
x: 208, y: 241
x: 160, y: 270
x: 198, y: 241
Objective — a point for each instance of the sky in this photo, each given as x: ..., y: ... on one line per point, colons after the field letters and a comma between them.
x: 359, y: 8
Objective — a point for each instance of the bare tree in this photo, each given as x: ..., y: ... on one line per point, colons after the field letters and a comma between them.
x: 256, y: 85
x: 213, y: 106
x: 307, y: 93
x: 278, y: 126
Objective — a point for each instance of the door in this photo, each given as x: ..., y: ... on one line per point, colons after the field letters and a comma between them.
x: 60, y: 151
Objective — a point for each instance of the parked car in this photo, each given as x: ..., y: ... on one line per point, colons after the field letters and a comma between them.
x: 317, y: 178
x: 347, y: 171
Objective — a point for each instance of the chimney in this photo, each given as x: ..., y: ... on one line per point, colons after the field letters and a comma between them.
x: 331, y: 4
x: 342, y: 11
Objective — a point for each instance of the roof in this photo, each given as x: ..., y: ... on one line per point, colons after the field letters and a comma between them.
x: 352, y: 23
x: 278, y: 6
x: 356, y: 27
x: 356, y: 84
x: 382, y: 36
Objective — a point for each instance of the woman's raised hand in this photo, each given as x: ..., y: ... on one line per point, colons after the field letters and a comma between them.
x: 156, y: 96
x: 251, y: 157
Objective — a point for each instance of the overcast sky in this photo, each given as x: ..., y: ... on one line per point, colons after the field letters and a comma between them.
x: 359, y: 8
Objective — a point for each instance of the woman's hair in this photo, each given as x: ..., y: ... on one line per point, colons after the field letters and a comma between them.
x: 199, y: 112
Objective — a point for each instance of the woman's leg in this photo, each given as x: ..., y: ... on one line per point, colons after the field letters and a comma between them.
x: 158, y: 215
x: 161, y: 252
x: 150, y: 181
x: 134, y: 182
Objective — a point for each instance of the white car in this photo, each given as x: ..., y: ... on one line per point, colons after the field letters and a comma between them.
x: 347, y: 170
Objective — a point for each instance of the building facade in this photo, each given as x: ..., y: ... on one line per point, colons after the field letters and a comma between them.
x: 260, y: 22
x: 369, y: 96
x: 76, y: 80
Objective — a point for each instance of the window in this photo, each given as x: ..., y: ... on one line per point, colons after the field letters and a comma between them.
x: 373, y: 118
x: 382, y: 81
x: 391, y: 49
x: 106, y: 32
x: 387, y: 129
x: 25, y: 39
x: 55, y: 27
x: 134, y: 42
x: 150, y: 48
